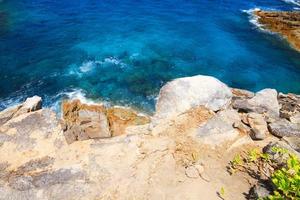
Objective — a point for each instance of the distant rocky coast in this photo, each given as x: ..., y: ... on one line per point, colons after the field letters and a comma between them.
x: 181, y: 152
x: 286, y: 23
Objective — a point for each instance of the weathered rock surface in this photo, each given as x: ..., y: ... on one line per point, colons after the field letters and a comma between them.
x: 183, y: 94
x: 294, y: 142
x: 183, y: 155
x: 84, y: 121
x: 258, y: 126
x: 290, y: 105
x: 219, y: 128
x: 37, y: 163
x: 120, y: 118
x: 31, y: 104
x: 283, y: 128
x: 241, y: 94
x: 264, y: 102
x: 295, y: 118
x: 286, y: 23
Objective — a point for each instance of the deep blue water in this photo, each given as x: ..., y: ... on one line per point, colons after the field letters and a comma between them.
x: 124, y: 51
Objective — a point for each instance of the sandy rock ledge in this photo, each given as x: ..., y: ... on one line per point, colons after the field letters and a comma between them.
x: 99, y: 152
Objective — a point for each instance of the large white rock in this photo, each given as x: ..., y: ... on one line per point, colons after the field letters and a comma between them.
x: 182, y: 94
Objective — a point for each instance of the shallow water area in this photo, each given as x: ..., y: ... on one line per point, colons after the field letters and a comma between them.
x: 124, y: 51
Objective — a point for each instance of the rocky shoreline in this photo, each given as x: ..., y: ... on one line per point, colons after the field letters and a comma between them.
x: 286, y: 23
x: 181, y: 152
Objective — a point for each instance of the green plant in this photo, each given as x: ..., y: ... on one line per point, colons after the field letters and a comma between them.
x: 222, y: 193
x: 253, y: 155
x: 235, y: 163
x: 287, y: 181
x: 237, y: 160
x: 279, y: 150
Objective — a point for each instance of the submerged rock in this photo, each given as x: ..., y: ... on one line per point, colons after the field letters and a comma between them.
x: 264, y: 102
x: 181, y: 94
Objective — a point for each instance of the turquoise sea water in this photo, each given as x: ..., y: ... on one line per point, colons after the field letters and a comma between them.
x: 124, y: 51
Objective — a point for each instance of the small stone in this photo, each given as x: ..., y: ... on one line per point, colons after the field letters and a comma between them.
x: 241, y: 127
x: 191, y: 172
x: 258, y: 126
x: 199, y: 168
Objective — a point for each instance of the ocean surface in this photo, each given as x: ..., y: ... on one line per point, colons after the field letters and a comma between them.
x: 122, y: 52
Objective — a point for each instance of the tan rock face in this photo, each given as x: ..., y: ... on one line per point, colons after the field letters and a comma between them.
x: 168, y: 163
x: 285, y: 23
x: 84, y: 121
x: 120, y: 118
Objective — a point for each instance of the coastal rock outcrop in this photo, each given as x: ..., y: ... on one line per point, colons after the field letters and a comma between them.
x: 264, y: 102
x: 286, y: 23
x: 184, y: 156
x: 31, y: 104
x: 120, y: 118
x: 182, y: 94
x: 82, y: 121
x: 36, y: 162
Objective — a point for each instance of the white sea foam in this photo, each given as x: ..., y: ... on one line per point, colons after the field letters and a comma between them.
x: 253, y: 19
x: 295, y: 2
x: 114, y: 61
x: 55, y: 101
x: 87, y: 66
x: 10, y: 102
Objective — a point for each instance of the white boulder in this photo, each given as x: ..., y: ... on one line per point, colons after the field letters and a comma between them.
x: 182, y: 94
